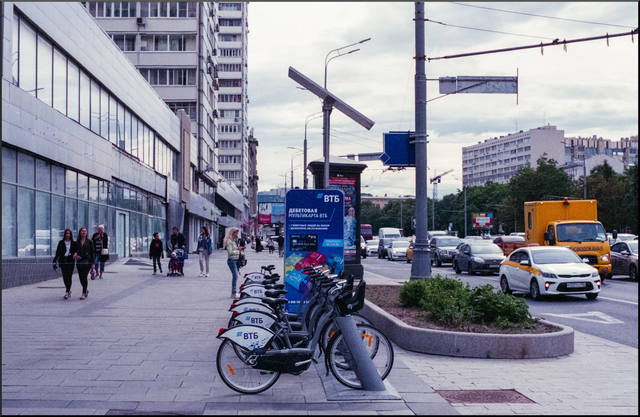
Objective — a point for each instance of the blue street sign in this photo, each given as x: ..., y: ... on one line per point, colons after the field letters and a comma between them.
x: 314, y: 236
x: 398, y: 151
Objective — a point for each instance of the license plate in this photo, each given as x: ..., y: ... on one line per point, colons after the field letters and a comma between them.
x: 575, y: 284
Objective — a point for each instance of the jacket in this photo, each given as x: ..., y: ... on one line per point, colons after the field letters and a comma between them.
x: 177, y: 241
x: 155, y: 248
x: 85, y: 251
x: 232, y: 249
x: 98, y: 246
x: 60, y: 251
x: 204, y: 242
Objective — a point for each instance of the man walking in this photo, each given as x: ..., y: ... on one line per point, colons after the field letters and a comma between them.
x: 177, y: 242
x: 281, y: 245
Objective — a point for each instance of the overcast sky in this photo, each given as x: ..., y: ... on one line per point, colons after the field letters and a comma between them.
x: 591, y: 89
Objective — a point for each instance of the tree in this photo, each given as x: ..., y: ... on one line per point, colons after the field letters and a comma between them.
x: 630, y: 197
x: 606, y: 186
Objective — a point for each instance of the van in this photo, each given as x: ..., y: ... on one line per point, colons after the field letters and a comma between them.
x: 385, y: 236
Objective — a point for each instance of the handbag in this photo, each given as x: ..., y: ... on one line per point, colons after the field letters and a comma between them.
x: 242, y: 260
x: 104, y: 251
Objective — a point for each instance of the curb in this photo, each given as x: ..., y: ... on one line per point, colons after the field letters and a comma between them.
x: 471, y: 345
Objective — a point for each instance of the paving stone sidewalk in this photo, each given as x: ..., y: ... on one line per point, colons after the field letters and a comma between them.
x: 145, y: 344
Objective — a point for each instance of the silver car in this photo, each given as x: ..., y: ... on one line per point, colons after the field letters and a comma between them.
x: 397, y: 250
x: 372, y: 247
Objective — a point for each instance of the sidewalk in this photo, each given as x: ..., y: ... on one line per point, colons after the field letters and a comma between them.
x: 145, y: 344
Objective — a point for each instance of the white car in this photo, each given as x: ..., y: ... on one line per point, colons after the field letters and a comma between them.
x: 372, y: 247
x: 548, y: 270
x: 398, y: 250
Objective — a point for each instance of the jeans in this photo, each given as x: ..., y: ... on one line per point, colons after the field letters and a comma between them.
x: 233, y: 266
x: 97, y: 261
x: 156, y: 260
x: 83, y: 271
x: 204, y: 258
x: 67, y: 271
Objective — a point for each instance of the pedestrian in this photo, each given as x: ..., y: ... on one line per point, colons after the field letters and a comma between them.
x: 64, y: 259
x: 177, y: 242
x: 101, y: 247
x: 204, y: 250
x: 270, y: 244
x: 84, y: 258
x: 281, y: 245
x: 156, y: 252
x: 233, y: 253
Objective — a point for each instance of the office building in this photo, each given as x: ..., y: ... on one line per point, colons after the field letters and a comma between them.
x: 174, y: 46
x: 85, y: 141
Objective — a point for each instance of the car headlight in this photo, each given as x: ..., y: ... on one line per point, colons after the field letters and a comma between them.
x: 549, y: 275
x: 595, y: 274
x: 604, y: 258
x: 478, y: 260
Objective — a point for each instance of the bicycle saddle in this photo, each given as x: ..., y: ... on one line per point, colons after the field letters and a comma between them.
x: 274, y: 302
x: 274, y: 293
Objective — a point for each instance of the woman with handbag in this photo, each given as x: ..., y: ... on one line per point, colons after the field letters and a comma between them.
x: 204, y: 250
x: 64, y: 258
x: 84, y: 256
x: 233, y: 253
x: 101, y: 247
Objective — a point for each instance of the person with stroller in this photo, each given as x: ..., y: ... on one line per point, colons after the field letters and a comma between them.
x: 156, y: 252
x: 177, y: 242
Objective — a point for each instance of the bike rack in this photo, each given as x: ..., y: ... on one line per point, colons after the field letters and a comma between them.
x: 364, y: 367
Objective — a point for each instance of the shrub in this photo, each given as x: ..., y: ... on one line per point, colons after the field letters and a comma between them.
x: 450, y: 302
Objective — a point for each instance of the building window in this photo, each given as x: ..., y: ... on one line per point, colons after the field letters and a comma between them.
x: 228, y: 37
x: 169, y: 76
x: 230, y: 22
x: 45, y: 71
x: 59, y: 81
x: 230, y: 83
x: 126, y: 42
x: 27, y: 64
x: 229, y: 98
x: 230, y: 52
x: 229, y: 6
x: 230, y: 67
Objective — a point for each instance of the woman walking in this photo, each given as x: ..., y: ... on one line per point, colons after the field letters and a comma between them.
x: 64, y: 258
x: 84, y: 258
x: 233, y: 252
x: 204, y: 249
x: 101, y: 247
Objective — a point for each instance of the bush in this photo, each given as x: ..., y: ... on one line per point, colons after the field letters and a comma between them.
x: 450, y: 302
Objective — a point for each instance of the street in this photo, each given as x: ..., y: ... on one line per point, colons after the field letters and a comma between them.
x: 612, y: 316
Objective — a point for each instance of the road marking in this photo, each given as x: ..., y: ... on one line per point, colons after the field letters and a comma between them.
x: 619, y: 301
x: 592, y: 316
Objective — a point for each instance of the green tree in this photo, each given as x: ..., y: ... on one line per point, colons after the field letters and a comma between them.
x: 630, y: 198
x: 608, y: 187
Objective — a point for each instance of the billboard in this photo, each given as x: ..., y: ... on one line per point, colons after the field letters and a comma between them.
x: 348, y: 187
x: 270, y: 213
x: 482, y: 220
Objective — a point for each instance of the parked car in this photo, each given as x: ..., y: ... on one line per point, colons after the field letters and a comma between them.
x: 473, y: 237
x: 478, y: 257
x: 517, y: 234
x: 509, y: 243
x: 548, y: 270
x: 443, y: 249
x: 398, y: 249
x: 372, y: 247
x: 624, y: 258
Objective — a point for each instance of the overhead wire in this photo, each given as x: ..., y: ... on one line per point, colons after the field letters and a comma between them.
x: 543, y: 16
x: 487, y: 30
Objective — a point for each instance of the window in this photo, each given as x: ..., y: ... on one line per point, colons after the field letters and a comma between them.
x: 95, y: 107
x: 229, y: 6
x: 26, y: 169
x: 230, y: 22
x: 153, y: 9
x: 182, y: 8
x: 120, y: 125
x: 85, y: 99
x: 27, y: 64
x: 45, y: 71
x: 26, y: 227
x: 160, y: 43
x: 15, y: 57
x: 113, y: 120
x: 59, y: 82
x: 230, y: 82
x: 43, y: 175
x: 173, y: 9
x: 9, y: 221
x: 83, y: 187
x: 43, y: 224
x: 127, y: 130
x: 134, y: 136
x: 189, y: 107
x: 126, y: 42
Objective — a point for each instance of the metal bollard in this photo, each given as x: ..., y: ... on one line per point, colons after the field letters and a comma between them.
x: 364, y: 367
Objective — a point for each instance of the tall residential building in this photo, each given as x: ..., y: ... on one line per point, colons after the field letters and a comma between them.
x: 498, y: 159
x: 85, y: 141
x: 579, y: 148
x: 234, y: 161
x: 174, y: 46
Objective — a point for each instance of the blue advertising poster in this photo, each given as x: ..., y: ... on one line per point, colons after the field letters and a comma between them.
x: 314, y: 236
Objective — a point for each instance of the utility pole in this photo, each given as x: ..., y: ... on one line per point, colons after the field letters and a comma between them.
x: 420, y: 266
x: 465, y: 210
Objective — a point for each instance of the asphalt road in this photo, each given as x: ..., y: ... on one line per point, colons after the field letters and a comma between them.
x: 612, y: 316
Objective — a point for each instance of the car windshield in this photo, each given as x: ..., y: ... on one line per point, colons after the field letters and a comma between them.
x: 400, y: 244
x: 624, y: 237
x: 581, y: 232
x: 447, y: 242
x: 549, y: 256
x: 372, y: 242
x: 633, y: 245
x: 392, y: 235
x: 488, y: 249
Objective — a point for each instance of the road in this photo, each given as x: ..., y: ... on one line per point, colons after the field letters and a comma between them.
x: 612, y: 316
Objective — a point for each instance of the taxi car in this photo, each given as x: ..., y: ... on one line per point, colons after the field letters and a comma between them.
x: 548, y: 270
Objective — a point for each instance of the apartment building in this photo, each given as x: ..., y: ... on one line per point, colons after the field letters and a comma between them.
x: 579, y: 148
x: 233, y: 130
x: 85, y: 141
x: 174, y: 46
x: 498, y: 159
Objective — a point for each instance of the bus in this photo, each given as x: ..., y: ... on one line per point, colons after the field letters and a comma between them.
x: 366, y: 231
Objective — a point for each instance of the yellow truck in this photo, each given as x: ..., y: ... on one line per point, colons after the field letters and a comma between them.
x: 570, y: 223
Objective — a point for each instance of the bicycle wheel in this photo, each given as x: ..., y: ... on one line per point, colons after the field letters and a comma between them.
x: 238, y: 375
x: 342, y: 364
x: 330, y: 329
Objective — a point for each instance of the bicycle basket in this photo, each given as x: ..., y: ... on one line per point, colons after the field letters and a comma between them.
x: 348, y: 303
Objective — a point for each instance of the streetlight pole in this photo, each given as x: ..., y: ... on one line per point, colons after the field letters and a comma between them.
x: 327, y: 106
x: 306, y: 123
x: 299, y: 150
x: 420, y: 266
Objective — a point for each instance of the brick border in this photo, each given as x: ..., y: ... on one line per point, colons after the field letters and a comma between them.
x: 472, y: 345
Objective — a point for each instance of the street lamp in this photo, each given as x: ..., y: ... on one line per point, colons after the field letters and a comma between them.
x: 299, y: 150
x: 327, y: 59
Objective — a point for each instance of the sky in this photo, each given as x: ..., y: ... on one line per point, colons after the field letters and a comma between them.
x: 591, y: 89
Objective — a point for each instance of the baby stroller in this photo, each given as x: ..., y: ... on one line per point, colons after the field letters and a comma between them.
x: 176, y: 262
